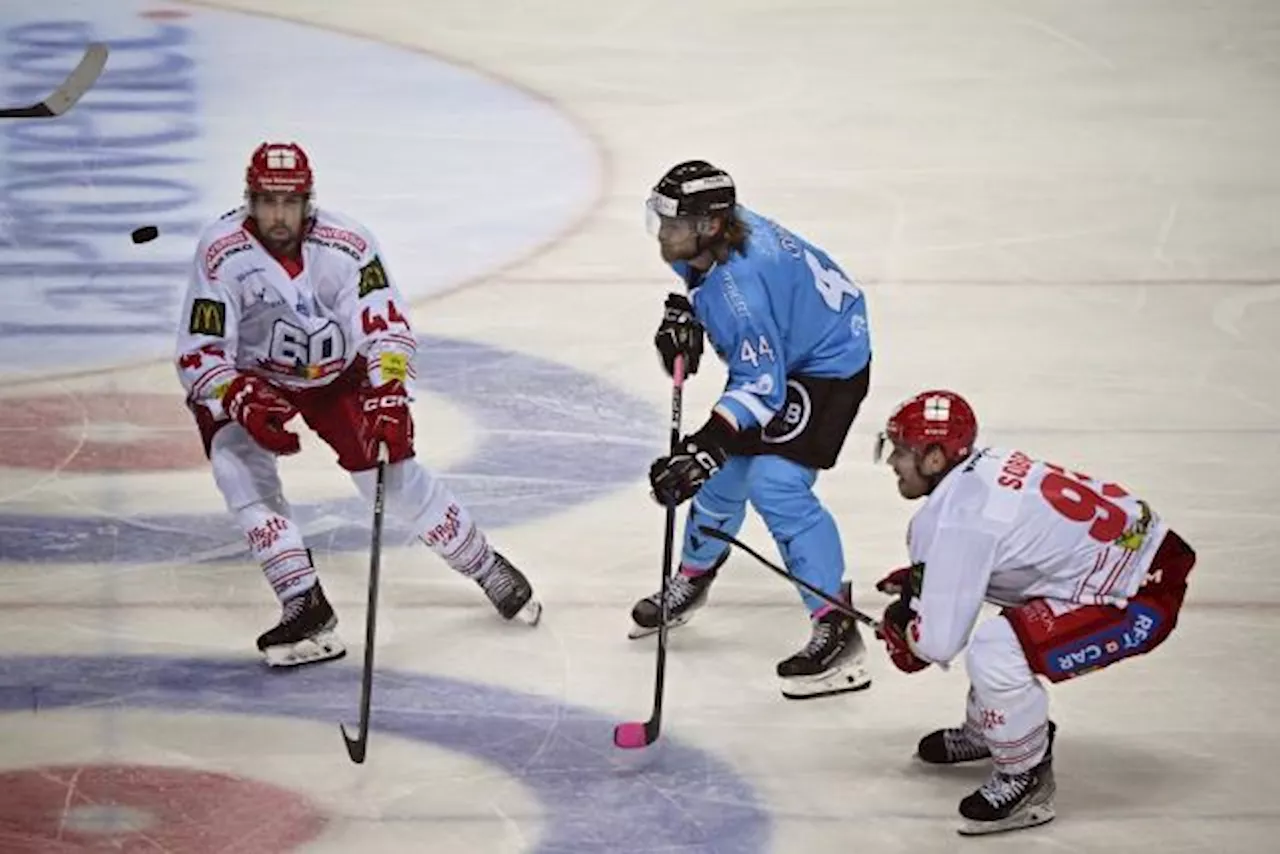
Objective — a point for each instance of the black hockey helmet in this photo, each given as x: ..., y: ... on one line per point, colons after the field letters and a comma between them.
x: 694, y: 188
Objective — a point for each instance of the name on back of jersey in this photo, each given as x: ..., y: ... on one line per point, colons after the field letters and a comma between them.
x: 1015, y: 470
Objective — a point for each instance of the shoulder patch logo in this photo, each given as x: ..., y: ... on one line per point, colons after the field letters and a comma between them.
x: 372, y: 277
x: 208, y: 317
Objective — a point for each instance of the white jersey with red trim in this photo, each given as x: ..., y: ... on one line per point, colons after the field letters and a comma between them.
x: 244, y: 312
x: 1006, y: 528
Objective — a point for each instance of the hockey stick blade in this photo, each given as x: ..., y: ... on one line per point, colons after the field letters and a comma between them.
x: 635, y: 734
x: 843, y: 607
x: 72, y: 89
x: 356, y: 747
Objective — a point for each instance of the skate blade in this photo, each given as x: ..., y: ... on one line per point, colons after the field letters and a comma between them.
x: 1030, y: 816
x: 848, y: 678
x: 323, y: 646
x: 638, y: 631
x: 925, y: 762
x: 530, y: 614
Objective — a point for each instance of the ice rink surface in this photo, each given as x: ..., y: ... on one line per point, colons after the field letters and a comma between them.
x: 1067, y: 211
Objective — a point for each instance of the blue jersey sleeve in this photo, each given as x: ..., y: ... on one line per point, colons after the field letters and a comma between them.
x: 746, y: 338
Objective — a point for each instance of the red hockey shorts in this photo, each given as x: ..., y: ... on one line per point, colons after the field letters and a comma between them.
x: 333, y: 411
x: 1062, y: 641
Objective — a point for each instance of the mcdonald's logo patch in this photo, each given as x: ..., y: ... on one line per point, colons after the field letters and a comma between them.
x: 372, y: 277
x: 208, y: 317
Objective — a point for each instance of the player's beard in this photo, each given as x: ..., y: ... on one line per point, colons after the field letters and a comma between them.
x: 685, y: 250
x: 913, y: 484
x: 677, y: 242
x: 905, y: 490
x: 671, y: 254
x: 280, y: 239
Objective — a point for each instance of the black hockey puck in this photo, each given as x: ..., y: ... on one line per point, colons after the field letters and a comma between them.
x: 145, y: 234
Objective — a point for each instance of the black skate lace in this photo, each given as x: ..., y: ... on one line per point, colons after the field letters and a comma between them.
x: 818, y: 642
x: 680, y: 591
x: 1001, y: 789
x: 961, y: 743
x: 294, y: 607
x: 498, y: 583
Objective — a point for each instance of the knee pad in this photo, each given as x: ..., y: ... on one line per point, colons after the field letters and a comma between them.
x: 245, y: 473
x: 414, y: 495
x: 782, y: 493
x: 725, y: 492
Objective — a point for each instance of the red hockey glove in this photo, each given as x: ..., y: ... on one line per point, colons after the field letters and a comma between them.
x: 893, y: 631
x: 387, y: 420
x: 905, y: 582
x: 262, y: 412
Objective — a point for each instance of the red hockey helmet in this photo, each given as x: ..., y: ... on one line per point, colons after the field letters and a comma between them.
x: 278, y: 167
x: 936, y: 417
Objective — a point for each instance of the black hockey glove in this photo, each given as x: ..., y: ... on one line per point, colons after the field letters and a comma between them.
x: 677, y: 478
x: 679, y: 334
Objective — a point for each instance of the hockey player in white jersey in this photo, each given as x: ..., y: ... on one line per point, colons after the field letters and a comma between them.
x: 291, y: 311
x: 1086, y: 574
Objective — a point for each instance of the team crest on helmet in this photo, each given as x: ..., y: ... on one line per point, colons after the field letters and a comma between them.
x: 937, y: 408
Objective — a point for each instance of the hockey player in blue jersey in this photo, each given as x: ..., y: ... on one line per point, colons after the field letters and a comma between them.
x: 791, y: 328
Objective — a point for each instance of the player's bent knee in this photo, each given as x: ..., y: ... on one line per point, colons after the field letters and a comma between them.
x: 244, y: 473
x: 724, y: 491
x: 254, y: 513
x: 789, y: 518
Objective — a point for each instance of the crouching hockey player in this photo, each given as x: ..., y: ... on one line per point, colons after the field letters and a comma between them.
x: 1086, y: 574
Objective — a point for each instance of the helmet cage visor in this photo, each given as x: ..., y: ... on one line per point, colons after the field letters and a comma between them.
x: 662, y: 219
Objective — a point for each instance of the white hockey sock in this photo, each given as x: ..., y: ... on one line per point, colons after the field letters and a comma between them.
x: 973, y: 718
x: 277, y: 544
x: 1011, y: 705
x: 429, y: 506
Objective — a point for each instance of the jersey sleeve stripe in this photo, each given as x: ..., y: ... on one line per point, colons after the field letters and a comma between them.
x: 220, y: 372
x: 751, y: 403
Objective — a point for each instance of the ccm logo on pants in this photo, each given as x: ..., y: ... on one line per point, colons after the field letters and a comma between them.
x: 387, y: 401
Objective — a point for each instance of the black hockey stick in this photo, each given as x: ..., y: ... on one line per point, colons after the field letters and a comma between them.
x: 843, y: 607
x: 634, y: 734
x: 66, y: 95
x: 356, y: 747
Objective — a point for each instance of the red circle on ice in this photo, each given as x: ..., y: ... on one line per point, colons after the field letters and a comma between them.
x: 149, y: 808
x: 98, y: 431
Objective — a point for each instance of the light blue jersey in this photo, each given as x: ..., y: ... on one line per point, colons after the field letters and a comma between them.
x: 780, y: 308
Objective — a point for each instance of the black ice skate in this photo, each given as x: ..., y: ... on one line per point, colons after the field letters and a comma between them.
x: 955, y: 745
x: 1012, y: 801
x: 685, y: 594
x: 305, y: 633
x: 952, y: 746
x: 833, y: 662
x: 510, y: 592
